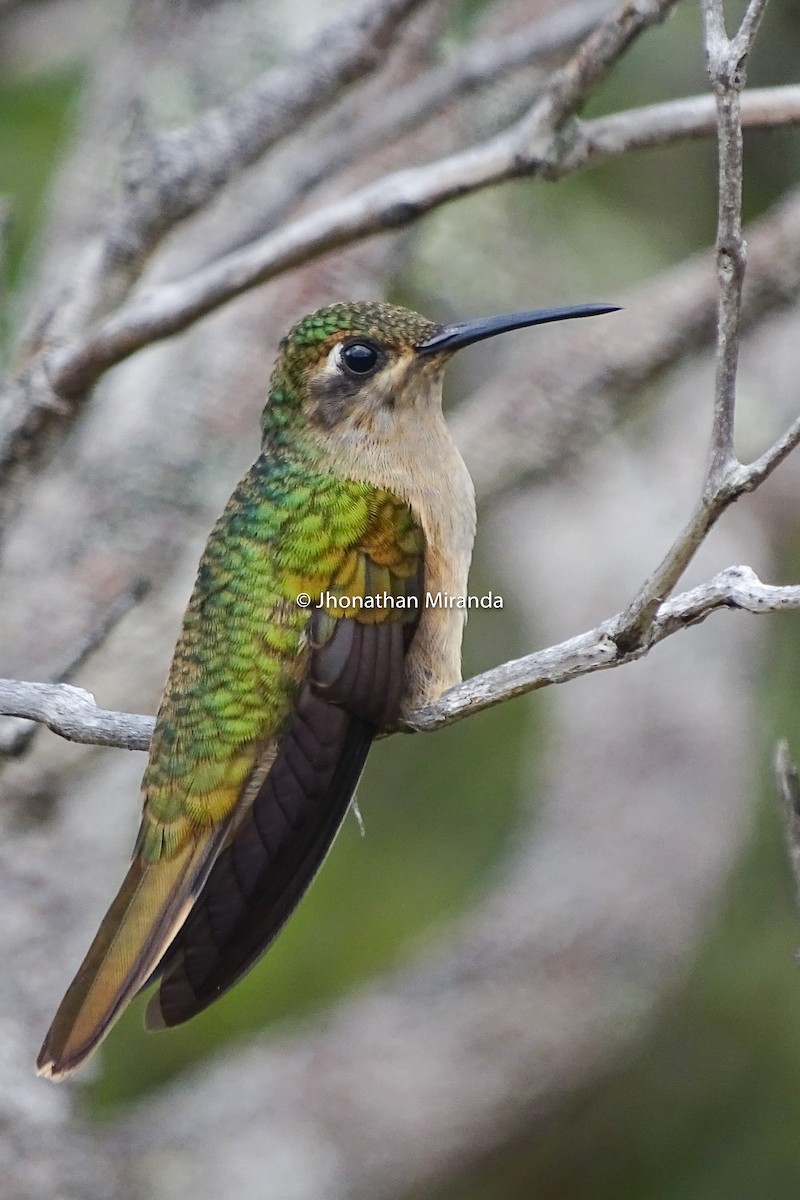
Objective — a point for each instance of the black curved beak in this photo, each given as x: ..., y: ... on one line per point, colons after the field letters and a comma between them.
x: 464, y: 333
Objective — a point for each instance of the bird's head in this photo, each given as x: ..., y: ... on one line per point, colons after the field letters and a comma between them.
x: 353, y: 370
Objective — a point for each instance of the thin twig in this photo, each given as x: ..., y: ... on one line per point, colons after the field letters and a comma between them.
x: 634, y: 622
x: 726, y: 62
x: 73, y: 713
x: 748, y: 29
x: 726, y: 478
x: 726, y: 82
x: 737, y: 588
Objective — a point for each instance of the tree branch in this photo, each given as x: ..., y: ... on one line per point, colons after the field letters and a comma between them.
x: 74, y: 714
x: 726, y: 478
x: 726, y: 71
x: 390, y: 203
x: 171, y: 175
x: 359, y: 129
x: 656, y: 125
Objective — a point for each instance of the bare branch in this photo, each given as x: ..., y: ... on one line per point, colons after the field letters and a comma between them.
x: 390, y: 203
x: 73, y: 713
x: 726, y: 62
x: 757, y: 471
x: 597, y: 650
x: 477, y: 67
x: 726, y: 478
x: 738, y: 480
x: 387, y: 204
x: 663, y: 124
x: 174, y: 174
x: 727, y: 77
x: 748, y: 29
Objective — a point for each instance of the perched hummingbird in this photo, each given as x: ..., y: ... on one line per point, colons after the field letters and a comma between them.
x: 276, y: 688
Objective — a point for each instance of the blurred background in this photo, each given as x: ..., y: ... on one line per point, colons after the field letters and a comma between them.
x: 649, y: 787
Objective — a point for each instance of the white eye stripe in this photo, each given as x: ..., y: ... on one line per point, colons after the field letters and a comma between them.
x: 334, y: 359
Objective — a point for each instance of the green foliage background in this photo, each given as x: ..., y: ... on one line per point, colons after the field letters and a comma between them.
x: 708, y: 1107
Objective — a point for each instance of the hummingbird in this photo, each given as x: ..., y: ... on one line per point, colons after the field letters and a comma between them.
x: 281, y: 679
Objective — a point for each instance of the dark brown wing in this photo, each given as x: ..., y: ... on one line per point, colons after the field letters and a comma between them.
x: 353, y: 690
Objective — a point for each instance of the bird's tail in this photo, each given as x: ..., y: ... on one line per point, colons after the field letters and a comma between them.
x: 147, y: 912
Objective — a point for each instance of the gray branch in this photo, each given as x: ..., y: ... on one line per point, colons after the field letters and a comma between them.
x: 726, y: 478
x: 69, y: 370
x: 655, y: 125
x: 171, y: 175
x: 399, y: 199
x: 355, y: 133
x: 92, y: 639
x: 74, y: 714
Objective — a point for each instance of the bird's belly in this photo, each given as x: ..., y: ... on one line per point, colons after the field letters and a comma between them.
x: 433, y: 663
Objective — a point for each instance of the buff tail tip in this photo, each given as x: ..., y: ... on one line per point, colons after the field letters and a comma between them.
x: 48, y: 1067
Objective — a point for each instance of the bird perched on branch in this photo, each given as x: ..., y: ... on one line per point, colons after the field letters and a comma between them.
x: 305, y: 636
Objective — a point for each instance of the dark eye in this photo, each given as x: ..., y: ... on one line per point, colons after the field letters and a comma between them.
x: 360, y: 358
